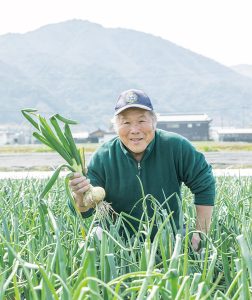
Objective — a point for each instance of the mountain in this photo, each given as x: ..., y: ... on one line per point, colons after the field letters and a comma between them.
x: 78, y: 68
x: 245, y: 70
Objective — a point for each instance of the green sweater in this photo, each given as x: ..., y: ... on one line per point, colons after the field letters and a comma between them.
x: 169, y: 160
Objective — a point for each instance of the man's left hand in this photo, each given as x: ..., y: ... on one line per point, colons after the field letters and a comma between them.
x: 196, y: 241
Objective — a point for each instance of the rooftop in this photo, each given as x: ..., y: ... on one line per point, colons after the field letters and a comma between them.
x: 183, y: 118
x: 235, y: 131
x: 80, y: 135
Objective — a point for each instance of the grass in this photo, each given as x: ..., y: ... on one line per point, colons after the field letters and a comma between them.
x: 203, y: 146
x: 43, y: 253
x: 211, y: 146
x: 39, y: 148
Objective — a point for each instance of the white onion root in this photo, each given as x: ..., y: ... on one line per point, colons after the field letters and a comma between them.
x: 94, y: 197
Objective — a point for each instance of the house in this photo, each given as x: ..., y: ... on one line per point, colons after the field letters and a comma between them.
x: 80, y: 137
x: 194, y: 127
x: 10, y: 137
x: 107, y: 136
x: 4, y: 138
x: 235, y: 134
x: 96, y: 135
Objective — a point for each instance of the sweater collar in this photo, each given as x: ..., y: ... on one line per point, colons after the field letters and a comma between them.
x: 147, y: 151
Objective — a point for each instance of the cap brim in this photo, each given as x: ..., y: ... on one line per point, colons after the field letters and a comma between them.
x: 130, y: 106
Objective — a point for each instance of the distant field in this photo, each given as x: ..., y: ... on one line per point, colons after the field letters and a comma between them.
x: 222, y: 146
x: 201, y: 146
x: 39, y: 148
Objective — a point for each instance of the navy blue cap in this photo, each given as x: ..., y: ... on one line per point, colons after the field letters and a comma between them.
x: 132, y: 98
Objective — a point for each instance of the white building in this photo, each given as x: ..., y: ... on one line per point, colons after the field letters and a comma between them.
x: 3, y: 138
x: 234, y: 134
x: 7, y: 137
x: 80, y: 137
x: 10, y: 137
x: 107, y: 136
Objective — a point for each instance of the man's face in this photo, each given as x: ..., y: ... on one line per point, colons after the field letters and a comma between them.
x: 136, y: 130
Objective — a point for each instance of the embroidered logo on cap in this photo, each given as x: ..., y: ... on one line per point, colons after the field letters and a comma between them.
x: 131, y: 97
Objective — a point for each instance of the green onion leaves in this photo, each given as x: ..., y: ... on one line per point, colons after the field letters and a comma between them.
x: 61, y: 140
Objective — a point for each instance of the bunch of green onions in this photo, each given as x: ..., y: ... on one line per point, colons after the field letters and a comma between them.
x: 62, y: 142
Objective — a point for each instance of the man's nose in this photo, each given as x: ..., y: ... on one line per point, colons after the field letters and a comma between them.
x: 134, y: 128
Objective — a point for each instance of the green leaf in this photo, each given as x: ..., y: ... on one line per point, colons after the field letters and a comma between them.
x: 91, y: 270
x: 81, y: 151
x: 60, y: 134
x: 29, y: 110
x: 65, y: 120
x: 42, y: 139
x: 25, y: 113
x: 71, y: 142
x: 53, y: 179
x: 46, y: 126
x: 48, y: 283
x: 55, y: 144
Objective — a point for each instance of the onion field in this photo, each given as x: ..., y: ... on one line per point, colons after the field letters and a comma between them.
x: 46, y: 252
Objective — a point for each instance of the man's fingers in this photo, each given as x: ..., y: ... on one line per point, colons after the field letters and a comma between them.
x: 80, y: 181
x: 196, y: 245
x: 79, y: 184
x: 81, y: 190
x: 196, y: 241
x: 74, y: 175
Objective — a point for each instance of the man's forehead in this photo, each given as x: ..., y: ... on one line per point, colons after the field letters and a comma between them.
x: 135, y: 113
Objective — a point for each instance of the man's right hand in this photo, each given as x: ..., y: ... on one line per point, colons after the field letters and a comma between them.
x: 79, y: 184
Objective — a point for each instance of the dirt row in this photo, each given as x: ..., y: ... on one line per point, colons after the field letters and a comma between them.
x: 47, y: 161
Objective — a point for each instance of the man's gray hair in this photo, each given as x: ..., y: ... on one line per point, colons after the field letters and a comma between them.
x: 153, y: 115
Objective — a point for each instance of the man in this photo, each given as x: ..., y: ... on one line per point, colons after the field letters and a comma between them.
x: 162, y: 160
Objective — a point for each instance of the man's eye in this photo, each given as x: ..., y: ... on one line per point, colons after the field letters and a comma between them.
x: 126, y: 123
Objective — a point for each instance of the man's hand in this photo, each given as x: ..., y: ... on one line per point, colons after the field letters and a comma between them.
x: 79, y: 184
x: 203, y: 222
x: 196, y: 241
x: 203, y: 218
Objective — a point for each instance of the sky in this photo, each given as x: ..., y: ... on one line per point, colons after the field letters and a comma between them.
x: 218, y: 29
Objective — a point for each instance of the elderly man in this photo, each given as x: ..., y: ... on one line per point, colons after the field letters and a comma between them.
x: 162, y: 160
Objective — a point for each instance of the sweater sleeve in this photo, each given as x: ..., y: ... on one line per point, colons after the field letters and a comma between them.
x: 95, y: 171
x: 196, y: 174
